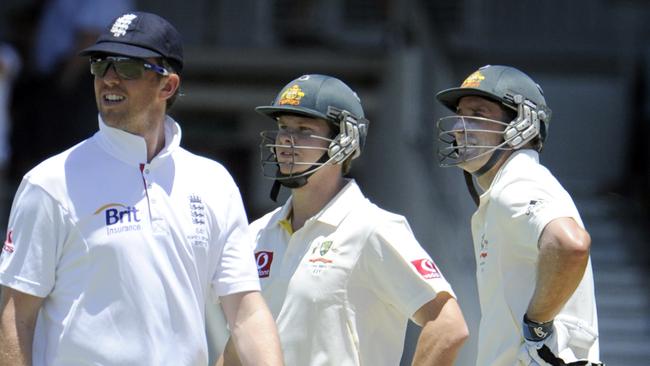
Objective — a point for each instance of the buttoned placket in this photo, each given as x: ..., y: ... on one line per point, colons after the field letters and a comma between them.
x: 151, y: 194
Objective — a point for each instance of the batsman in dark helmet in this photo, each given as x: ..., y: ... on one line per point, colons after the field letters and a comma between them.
x: 318, y: 97
x: 533, y: 268
x: 342, y: 277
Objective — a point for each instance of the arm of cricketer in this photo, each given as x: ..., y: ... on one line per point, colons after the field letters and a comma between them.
x: 443, y: 331
x: 252, y: 329
x: 18, y: 313
x: 563, y: 256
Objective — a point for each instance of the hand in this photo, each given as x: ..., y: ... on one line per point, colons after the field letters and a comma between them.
x: 534, y: 336
x: 534, y: 351
x: 530, y: 354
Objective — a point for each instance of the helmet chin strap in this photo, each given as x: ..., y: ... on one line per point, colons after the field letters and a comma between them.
x: 295, y: 182
x: 496, y: 155
x: 469, y: 181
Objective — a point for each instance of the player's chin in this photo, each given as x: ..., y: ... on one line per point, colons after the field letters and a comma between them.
x: 291, y: 168
x: 111, y: 117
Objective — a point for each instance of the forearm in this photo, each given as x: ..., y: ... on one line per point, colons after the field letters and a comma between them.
x: 442, y: 336
x: 263, y: 347
x: 229, y: 357
x: 562, y: 260
x: 16, y: 339
x: 252, y: 329
x: 13, y: 352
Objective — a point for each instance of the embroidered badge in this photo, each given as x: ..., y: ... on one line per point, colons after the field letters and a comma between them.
x: 197, y: 210
x: 426, y: 268
x: 122, y: 24
x: 325, y: 247
x: 292, y: 95
x: 263, y: 260
x: 473, y: 81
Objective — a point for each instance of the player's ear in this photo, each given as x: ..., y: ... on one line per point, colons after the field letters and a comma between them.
x: 170, y: 85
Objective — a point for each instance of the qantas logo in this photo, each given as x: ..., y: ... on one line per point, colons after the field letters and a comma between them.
x: 426, y: 268
x: 120, y: 218
x: 9, y: 243
x: 263, y: 260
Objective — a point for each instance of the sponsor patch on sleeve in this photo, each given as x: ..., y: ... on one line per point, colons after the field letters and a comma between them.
x: 9, y: 243
x: 426, y: 268
x: 263, y: 260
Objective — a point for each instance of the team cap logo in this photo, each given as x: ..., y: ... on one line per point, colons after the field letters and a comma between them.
x: 122, y: 24
x: 292, y: 95
x: 473, y: 81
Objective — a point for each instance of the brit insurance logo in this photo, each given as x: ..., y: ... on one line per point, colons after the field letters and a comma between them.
x: 120, y: 218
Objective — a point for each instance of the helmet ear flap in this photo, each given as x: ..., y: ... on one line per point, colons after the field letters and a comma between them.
x: 351, y: 136
x: 523, y: 128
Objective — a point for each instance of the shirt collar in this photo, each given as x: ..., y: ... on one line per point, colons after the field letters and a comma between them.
x: 131, y: 148
x: 334, y: 212
x: 513, y: 159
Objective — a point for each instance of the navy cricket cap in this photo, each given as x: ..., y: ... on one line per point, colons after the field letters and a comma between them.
x: 140, y: 35
x: 311, y: 96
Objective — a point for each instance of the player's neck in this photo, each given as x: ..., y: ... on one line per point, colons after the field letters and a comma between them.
x: 309, y: 199
x: 485, y: 180
x: 155, y: 139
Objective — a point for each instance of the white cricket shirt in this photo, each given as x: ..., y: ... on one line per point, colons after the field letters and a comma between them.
x: 126, y: 253
x: 343, y: 287
x: 523, y: 198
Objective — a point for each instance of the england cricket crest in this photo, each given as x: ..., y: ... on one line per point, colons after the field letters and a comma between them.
x: 198, y: 237
x: 122, y: 24
x: 197, y: 210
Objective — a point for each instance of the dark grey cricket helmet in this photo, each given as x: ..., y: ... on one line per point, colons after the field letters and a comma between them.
x: 507, y: 85
x: 317, y: 96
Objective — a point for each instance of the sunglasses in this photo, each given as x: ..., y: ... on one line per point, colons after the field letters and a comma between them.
x: 126, y: 68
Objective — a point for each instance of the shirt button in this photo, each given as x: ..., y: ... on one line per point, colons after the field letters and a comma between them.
x: 146, y: 171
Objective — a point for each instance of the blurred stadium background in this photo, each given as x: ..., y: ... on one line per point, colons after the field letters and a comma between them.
x: 592, y: 57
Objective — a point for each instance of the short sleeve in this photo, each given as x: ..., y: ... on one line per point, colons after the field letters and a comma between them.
x: 236, y: 270
x: 35, y: 238
x: 526, y: 207
x: 399, y: 270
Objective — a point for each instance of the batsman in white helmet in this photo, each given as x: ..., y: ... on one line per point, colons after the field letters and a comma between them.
x: 533, y: 269
x: 342, y: 277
